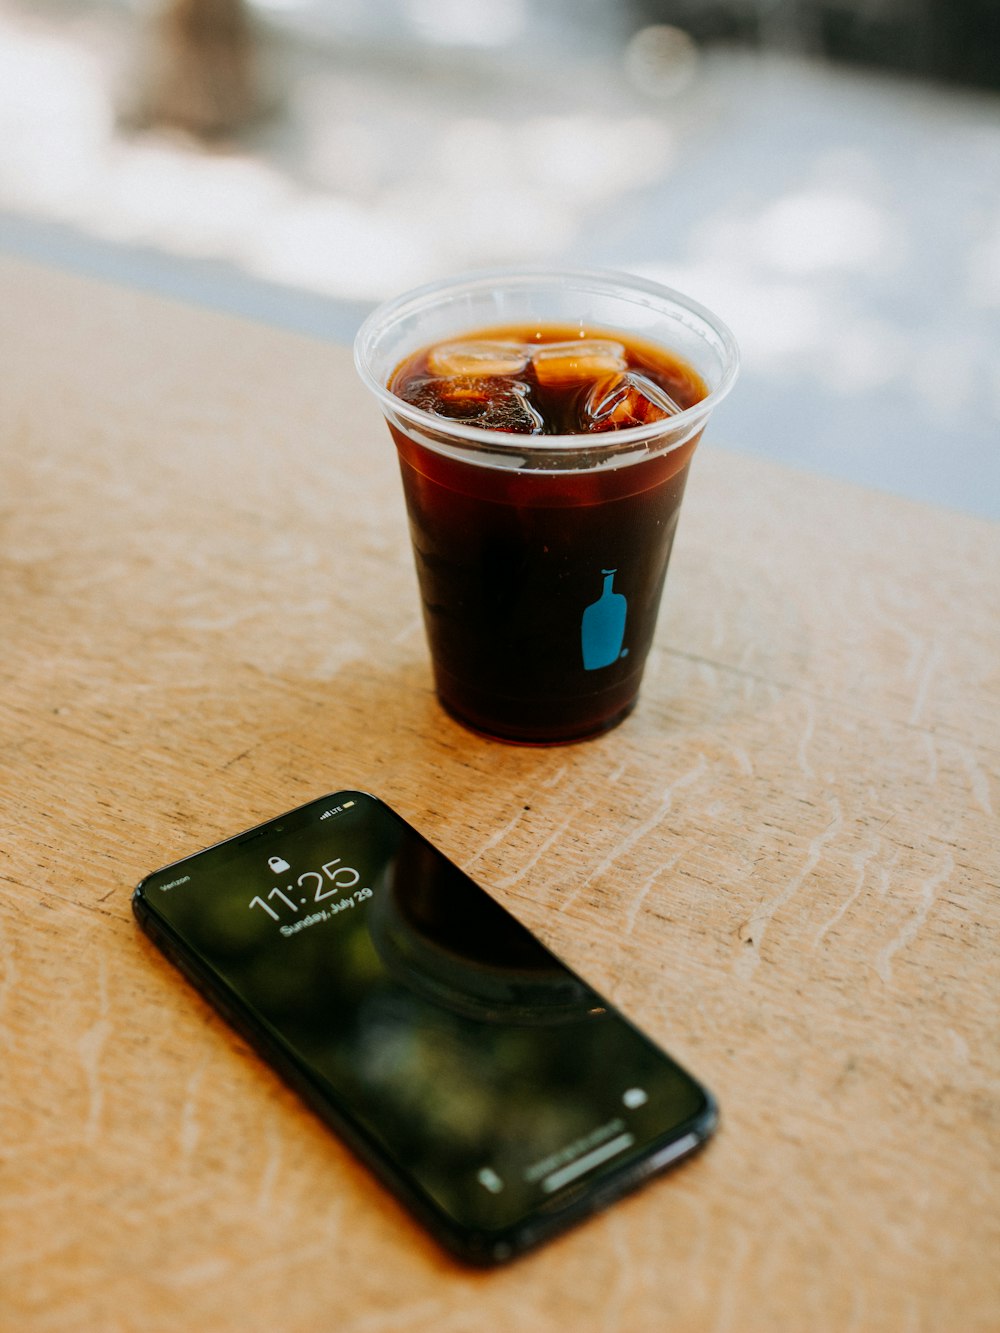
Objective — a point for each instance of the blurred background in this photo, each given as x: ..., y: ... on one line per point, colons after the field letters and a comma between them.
x: 824, y: 174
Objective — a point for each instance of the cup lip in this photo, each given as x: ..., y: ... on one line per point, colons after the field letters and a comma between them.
x: 677, y: 429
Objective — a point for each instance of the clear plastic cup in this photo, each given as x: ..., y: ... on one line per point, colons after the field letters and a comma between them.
x: 541, y: 558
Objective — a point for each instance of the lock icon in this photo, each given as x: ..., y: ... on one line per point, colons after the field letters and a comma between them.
x: 278, y: 864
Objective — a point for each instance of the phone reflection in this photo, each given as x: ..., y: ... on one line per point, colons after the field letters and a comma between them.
x: 447, y: 941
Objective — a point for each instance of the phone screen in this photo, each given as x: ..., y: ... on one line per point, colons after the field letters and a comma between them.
x: 493, y: 1089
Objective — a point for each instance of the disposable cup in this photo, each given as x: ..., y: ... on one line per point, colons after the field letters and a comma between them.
x: 541, y: 559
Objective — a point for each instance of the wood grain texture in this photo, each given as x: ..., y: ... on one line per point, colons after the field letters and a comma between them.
x: 784, y: 865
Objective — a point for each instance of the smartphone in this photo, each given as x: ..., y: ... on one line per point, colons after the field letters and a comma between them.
x: 497, y: 1094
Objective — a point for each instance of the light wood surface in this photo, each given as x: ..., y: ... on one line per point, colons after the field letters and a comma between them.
x: 784, y: 865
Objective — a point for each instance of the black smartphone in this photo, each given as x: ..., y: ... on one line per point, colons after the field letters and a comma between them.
x: 495, y: 1092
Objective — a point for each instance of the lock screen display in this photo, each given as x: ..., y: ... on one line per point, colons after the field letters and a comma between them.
x: 484, y: 1076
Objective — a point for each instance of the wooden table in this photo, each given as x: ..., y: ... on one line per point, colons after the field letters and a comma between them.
x: 784, y: 865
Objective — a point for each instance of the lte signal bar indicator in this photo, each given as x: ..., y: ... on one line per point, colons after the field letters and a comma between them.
x: 336, y: 810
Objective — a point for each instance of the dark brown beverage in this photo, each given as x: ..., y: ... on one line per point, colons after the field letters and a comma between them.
x: 541, y: 580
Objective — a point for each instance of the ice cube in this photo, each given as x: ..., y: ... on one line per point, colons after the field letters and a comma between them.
x: 618, y: 401
x: 490, y: 402
x: 479, y: 357
x: 582, y: 359
x: 655, y: 393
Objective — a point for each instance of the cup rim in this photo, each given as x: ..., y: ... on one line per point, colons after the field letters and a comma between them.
x: 672, y: 431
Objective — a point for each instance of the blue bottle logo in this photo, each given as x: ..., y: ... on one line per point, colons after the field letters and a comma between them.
x: 602, y: 629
